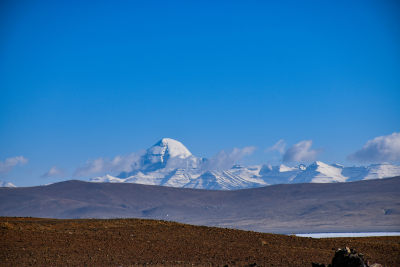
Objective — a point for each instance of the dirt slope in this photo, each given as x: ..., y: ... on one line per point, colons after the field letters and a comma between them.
x: 131, y: 242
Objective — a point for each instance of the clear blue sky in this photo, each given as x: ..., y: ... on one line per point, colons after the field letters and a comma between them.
x: 81, y: 80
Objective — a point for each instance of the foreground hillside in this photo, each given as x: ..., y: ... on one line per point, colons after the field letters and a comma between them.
x: 361, y: 206
x: 128, y: 242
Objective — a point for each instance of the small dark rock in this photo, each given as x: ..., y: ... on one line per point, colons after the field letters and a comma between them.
x: 346, y: 257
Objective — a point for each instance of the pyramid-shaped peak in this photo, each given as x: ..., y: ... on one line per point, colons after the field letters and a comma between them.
x: 171, y: 147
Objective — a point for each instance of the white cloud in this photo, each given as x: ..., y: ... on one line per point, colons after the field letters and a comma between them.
x: 113, y: 166
x: 279, y: 146
x: 379, y: 149
x: 225, y: 160
x: 300, y: 152
x: 8, y: 164
x: 53, y: 172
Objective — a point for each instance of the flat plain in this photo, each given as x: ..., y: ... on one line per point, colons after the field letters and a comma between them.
x: 138, y: 242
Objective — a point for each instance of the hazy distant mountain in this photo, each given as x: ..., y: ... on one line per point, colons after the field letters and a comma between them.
x: 170, y: 163
x: 372, y: 205
x: 281, y: 174
x: 6, y: 184
x: 235, y: 178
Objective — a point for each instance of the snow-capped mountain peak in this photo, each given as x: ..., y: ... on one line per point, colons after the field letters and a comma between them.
x: 319, y: 172
x: 164, y: 149
x: 157, y: 156
x: 173, y: 147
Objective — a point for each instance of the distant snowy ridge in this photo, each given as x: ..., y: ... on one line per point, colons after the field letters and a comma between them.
x: 170, y: 163
x: 6, y: 184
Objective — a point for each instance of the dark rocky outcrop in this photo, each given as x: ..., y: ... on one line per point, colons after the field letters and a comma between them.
x: 346, y: 257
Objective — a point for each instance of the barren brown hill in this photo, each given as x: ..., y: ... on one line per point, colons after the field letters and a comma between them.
x: 357, y: 206
x: 132, y: 242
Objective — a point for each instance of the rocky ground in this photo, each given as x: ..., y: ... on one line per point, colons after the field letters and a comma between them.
x: 132, y: 242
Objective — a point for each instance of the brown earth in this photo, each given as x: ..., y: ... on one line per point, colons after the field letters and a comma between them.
x: 132, y: 242
x: 364, y: 206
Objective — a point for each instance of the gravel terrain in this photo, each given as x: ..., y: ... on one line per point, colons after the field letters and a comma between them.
x: 133, y: 242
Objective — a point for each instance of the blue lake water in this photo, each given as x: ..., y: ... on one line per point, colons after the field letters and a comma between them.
x: 328, y: 235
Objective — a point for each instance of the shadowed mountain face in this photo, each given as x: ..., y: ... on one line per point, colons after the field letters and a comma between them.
x: 372, y: 205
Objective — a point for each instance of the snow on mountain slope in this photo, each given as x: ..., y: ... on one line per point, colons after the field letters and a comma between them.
x: 281, y: 174
x: 107, y: 179
x: 208, y: 180
x: 319, y: 172
x: 152, y: 178
x: 6, y: 184
x: 250, y: 173
x: 170, y: 163
x: 164, y: 149
x: 223, y: 180
x: 178, y: 178
x: 235, y: 178
x: 379, y: 171
x: 373, y: 171
x: 159, y: 154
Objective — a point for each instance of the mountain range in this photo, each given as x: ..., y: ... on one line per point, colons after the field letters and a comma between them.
x: 170, y: 163
x: 360, y: 206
